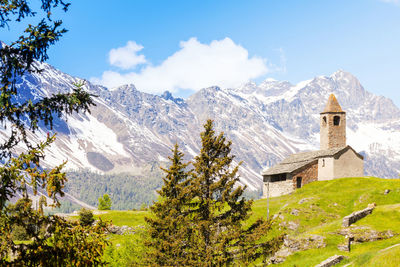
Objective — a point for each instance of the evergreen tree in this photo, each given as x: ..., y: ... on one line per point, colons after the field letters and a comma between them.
x: 63, y: 243
x: 168, y: 225
x: 201, y: 217
x: 105, y: 202
x: 219, y: 237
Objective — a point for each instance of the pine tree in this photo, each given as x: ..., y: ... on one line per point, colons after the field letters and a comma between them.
x: 219, y: 237
x: 168, y: 225
x: 63, y: 243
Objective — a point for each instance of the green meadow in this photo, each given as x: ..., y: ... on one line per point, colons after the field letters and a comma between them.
x: 320, y: 207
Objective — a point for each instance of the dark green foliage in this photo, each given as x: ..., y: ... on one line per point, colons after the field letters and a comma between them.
x: 126, y: 190
x: 200, y: 218
x: 219, y: 237
x: 86, y: 217
x: 168, y: 225
x: 19, y: 233
x: 105, y: 202
x: 55, y: 242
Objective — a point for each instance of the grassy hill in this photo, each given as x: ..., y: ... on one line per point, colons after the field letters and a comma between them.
x: 316, y: 209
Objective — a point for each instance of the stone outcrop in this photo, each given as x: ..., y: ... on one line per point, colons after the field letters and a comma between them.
x: 291, y: 246
x: 361, y: 234
x: 305, y: 200
x: 331, y: 261
x: 357, y: 215
x: 120, y: 230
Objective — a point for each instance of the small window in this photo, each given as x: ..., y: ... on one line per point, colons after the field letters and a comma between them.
x: 323, y: 162
x: 336, y: 120
x: 324, y: 121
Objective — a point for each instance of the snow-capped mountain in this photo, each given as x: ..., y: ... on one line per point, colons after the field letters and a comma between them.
x: 127, y: 128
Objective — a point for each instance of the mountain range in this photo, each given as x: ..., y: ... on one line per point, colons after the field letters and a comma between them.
x: 128, y: 130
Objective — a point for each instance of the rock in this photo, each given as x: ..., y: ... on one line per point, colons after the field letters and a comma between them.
x: 346, y: 245
x: 291, y: 246
x: 365, y: 234
x: 343, y: 247
x: 120, y: 230
x: 305, y: 200
x: 357, y: 215
x: 387, y: 191
x: 295, y: 212
x: 279, y: 216
x: 292, y: 226
x: 331, y: 261
x: 276, y: 260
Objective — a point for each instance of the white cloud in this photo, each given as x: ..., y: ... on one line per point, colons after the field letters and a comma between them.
x: 194, y: 66
x: 395, y: 2
x: 126, y: 57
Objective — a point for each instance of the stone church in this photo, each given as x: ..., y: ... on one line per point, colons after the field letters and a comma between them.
x: 334, y: 160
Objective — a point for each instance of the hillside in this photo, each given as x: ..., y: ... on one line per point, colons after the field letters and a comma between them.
x: 317, y: 209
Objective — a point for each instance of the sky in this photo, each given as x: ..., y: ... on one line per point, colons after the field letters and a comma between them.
x: 183, y: 46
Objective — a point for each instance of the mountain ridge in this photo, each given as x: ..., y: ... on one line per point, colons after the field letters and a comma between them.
x: 266, y: 122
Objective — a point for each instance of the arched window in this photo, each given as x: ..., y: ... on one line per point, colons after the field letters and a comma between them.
x: 324, y: 120
x: 336, y: 120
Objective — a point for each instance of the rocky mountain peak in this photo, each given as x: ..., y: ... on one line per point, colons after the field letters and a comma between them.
x: 125, y: 88
x: 168, y: 96
x: 265, y: 122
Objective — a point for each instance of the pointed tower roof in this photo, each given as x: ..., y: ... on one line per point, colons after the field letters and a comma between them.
x: 332, y: 105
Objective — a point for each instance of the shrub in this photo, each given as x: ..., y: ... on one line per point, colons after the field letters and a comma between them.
x: 86, y: 217
x: 105, y: 202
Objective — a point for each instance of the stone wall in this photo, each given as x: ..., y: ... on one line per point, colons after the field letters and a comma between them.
x: 308, y: 174
x: 357, y: 215
x: 278, y: 188
x: 332, y: 136
x: 331, y: 261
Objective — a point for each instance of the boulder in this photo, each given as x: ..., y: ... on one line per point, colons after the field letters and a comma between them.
x: 331, y: 261
x: 295, y: 212
x: 291, y: 246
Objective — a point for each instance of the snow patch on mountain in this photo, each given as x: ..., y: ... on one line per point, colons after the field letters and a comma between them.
x: 128, y: 129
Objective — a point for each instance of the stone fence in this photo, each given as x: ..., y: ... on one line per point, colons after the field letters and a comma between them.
x: 357, y: 215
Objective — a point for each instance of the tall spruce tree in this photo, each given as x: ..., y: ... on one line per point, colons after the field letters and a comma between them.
x: 201, y: 219
x: 168, y: 224
x: 219, y: 236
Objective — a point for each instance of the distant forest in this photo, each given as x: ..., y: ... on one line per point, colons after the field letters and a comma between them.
x: 127, y: 191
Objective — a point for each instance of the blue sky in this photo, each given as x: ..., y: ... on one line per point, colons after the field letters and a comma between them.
x: 170, y: 44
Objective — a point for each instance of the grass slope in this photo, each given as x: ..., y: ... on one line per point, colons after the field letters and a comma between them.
x: 327, y: 203
x: 324, y: 205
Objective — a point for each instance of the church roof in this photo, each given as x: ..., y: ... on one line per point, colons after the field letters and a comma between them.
x: 332, y: 105
x: 299, y: 160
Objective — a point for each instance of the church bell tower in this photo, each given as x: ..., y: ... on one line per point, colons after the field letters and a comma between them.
x: 332, y: 125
